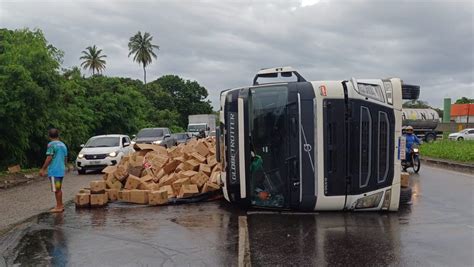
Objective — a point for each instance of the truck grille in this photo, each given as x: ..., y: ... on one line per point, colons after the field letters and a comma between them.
x: 95, y: 156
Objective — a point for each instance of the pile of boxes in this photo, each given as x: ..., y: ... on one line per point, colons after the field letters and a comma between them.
x: 154, y: 174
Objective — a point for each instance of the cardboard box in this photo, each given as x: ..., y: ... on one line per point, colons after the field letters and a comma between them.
x: 405, y: 179
x: 211, y: 161
x: 14, y: 169
x: 180, y: 182
x: 215, y: 178
x: 124, y: 195
x: 112, y: 194
x: 188, y: 190
x: 191, y: 164
x: 175, y: 152
x: 202, y: 149
x: 113, y: 183
x: 169, y: 180
x: 179, y: 168
x: 82, y: 200
x: 109, y: 169
x: 122, y: 172
x: 187, y: 174
x: 217, y: 168
x: 146, y: 186
x: 135, y: 171
x: 139, y: 196
x: 146, y: 178
x: 158, y: 197
x: 171, y: 166
x: 97, y: 187
x: 198, y: 157
x: 199, y: 179
x: 132, y: 182
x: 208, y: 187
x: 85, y: 191
x: 205, y: 169
x: 170, y: 190
x: 99, y: 200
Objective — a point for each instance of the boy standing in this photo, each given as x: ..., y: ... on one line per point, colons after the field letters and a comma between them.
x: 56, y: 160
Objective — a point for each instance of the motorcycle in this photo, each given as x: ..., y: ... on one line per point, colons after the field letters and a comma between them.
x: 413, y: 161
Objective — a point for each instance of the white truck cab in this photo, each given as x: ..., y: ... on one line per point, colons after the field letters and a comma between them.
x: 312, y: 145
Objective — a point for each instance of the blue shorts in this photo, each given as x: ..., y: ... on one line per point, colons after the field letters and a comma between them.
x: 56, y: 183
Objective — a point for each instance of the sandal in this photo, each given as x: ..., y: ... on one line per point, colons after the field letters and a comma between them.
x: 56, y: 210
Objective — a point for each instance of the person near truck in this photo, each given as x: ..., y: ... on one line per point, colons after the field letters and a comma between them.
x: 55, y: 167
x: 411, y: 139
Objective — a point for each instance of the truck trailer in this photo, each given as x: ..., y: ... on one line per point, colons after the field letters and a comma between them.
x: 313, y: 145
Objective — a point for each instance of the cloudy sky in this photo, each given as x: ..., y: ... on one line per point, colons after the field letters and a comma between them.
x: 221, y: 44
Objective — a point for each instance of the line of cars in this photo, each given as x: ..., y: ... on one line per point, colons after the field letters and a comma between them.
x: 104, y: 150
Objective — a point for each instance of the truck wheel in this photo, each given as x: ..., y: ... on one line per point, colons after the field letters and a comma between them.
x: 410, y: 92
x: 460, y: 139
x: 81, y: 172
x: 405, y: 195
x: 430, y: 138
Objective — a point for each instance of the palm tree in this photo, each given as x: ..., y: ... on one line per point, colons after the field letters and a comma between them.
x: 142, y: 48
x: 93, y: 60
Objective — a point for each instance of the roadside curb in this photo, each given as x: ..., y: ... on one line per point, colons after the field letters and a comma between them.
x: 456, y: 166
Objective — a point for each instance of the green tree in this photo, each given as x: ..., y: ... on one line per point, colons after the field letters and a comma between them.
x: 188, y: 97
x: 93, y: 60
x: 464, y: 100
x: 29, y: 83
x: 141, y: 47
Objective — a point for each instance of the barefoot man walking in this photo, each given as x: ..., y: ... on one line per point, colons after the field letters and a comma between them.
x: 56, y: 161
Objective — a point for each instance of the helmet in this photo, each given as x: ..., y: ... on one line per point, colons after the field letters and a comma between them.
x: 409, y: 128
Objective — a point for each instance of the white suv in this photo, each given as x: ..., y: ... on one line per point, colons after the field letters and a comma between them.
x: 101, y: 151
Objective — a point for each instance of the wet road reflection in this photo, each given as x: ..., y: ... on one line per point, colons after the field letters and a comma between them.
x: 436, y: 230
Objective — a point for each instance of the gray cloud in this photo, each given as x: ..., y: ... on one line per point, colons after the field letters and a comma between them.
x: 221, y: 44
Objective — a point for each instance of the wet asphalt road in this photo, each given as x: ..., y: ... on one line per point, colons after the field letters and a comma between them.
x: 436, y: 230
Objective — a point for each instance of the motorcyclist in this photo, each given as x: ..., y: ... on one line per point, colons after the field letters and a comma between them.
x: 410, y: 140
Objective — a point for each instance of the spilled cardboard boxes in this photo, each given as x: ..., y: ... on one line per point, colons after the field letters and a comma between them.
x: 153, y: 175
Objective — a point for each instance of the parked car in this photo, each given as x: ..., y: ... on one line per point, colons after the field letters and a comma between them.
x: 157, y: 136
x: 101, y: 151
x: 182, y: 138
x: 466, y: 134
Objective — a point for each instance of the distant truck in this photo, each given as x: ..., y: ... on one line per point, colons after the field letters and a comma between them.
x: 423, y: 121
x: 201, y: 122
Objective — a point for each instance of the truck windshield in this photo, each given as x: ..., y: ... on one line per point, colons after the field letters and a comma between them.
x: 197, y: 127
x: 150, y: 133
x: 268, y: 123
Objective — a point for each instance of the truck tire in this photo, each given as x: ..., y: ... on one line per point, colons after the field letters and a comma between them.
x: 430, y: 137
x: 405, y: 195
x: 81, y: 172
x: 410, y: 92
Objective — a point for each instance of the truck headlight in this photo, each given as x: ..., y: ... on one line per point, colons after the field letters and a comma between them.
x: 80, y: 156
x: 371, y: 201
x: 386, y: 199
x: 113, y: 154
x: 415, y: 150
x: 156, y: 142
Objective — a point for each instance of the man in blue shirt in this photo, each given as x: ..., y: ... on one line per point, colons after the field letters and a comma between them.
x: 56, y: 161
x: 410, y: 140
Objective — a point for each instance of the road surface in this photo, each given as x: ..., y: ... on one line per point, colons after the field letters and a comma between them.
x: 436, y: 230
x: 23, y: 201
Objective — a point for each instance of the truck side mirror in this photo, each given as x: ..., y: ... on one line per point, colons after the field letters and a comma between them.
x: 167, y: 135
x: 126, y: 144
x: 82, y: 145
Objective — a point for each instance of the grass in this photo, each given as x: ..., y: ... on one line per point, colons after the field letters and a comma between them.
x: 462, y: 151
x: 23, y: 171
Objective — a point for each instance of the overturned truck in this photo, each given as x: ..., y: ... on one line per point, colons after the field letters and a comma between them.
x: 319, y: 145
